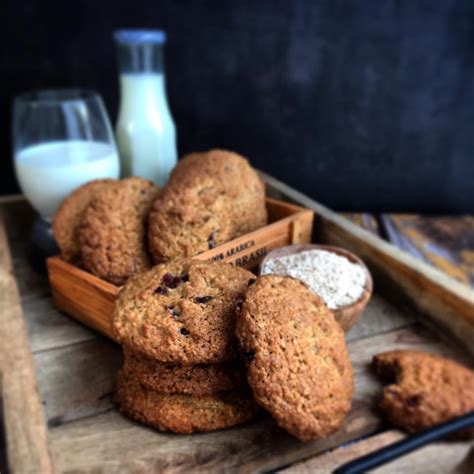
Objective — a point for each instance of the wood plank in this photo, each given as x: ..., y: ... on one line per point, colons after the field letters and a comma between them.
x: 365, y: 220
x: 445, y: 242
x: 455, y: 457
x: 78, y: 380
x: 380, y: 316
x: 256, y: 446
x: 398, y: 275
x: 32, y: 285
x: 48, y: 328
x: 11, y: 198
x: 111, y: 443
x: 82, y: 295
x: 18, y: 219
x: 26, y: 433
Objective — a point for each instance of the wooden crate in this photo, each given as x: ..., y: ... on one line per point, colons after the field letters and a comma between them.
x: 91, y: 300
x: 58, y: 375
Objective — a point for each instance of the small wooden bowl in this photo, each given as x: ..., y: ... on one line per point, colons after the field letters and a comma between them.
x: 348, y: 315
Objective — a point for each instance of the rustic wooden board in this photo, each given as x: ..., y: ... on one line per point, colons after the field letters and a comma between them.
x: 365, y: 220
x: 76, y: 370
x: 444, y: 242
x: 26, y: 434
x: 257, y: 446
x: 437, y: 458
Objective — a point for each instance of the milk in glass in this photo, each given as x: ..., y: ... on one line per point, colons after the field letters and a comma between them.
x: 49, y: 171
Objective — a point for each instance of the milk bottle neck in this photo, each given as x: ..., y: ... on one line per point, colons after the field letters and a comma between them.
x: 140, y: 51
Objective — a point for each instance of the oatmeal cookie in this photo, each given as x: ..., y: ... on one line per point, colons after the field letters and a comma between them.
x: 182, y: 413
x: 425, y: 389
x: 202, y: 379
x: 112, y: 235
x: 182, y: 312
x: 298, y: 365
x: 69, y: 215
x: 211, y: 198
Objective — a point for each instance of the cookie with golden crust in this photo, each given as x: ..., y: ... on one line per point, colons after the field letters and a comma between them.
x: 67, y: 219
x: 426, y: 389
x: 182, y: 413
x: 202, y: 379
x: 211, y: 198
x: 298, y: 365
x: 182, y: 312
x: 112, y: 235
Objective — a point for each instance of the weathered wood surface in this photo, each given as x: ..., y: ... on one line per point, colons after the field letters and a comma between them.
x: 76, y: 372
x: 26, y: 433
x: 257, y: 446
x: 437, y: 297
x: 436, y: 458
x: 444, y: 242
x: 365, y: 220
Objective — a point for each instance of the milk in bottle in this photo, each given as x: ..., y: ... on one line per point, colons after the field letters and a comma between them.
x: 146, y: 134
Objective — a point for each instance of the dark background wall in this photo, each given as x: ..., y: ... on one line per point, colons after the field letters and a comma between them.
x: 364, y: 105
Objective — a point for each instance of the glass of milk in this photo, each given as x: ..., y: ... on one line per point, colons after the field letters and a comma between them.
x: 61, y: 140
x: 146, y: 133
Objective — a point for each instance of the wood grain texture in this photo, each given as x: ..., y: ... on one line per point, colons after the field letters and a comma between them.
x: 397, y: 275
x: 78, y: 380
x: 365, y: 220
x: 444, y: 242
x: 436, y: 458
x: 26, y: 433
x: 256, y: 446
x: 49, y: 328
x: 380, y: 316
x: 82, y: 295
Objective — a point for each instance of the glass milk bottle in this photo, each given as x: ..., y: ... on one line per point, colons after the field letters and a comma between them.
x: 146, y: 134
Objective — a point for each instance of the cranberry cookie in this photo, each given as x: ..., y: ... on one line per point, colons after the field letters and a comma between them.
x: 426, y: 389
x: 211, y: 198
x: 182, y: 312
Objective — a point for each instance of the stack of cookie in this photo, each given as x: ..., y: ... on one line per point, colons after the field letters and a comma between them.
x: 114, y: 228
x: 176, y: 323
x: 102, y: 227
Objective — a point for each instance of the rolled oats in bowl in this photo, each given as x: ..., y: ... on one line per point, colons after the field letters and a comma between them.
x: 338, y: 281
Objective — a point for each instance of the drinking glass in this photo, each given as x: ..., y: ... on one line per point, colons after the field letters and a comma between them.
x: 61, y: 139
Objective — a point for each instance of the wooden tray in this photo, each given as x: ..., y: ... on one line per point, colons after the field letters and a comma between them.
x: 57, y: 375
x: 91, y: 300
